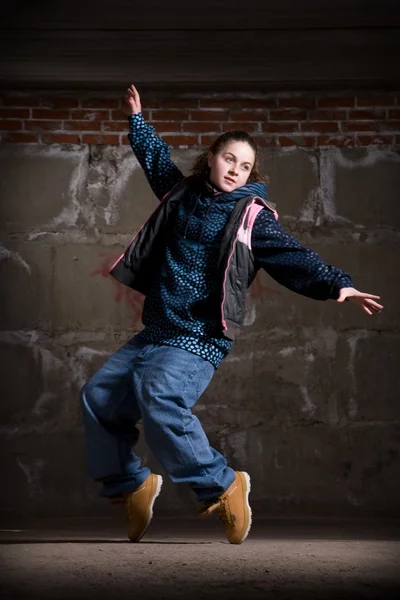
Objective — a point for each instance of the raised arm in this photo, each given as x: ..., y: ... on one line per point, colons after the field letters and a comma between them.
x: 152, y: 153
x: 301, y: 269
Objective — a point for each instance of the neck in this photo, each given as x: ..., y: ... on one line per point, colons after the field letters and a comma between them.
x: 214, y: 188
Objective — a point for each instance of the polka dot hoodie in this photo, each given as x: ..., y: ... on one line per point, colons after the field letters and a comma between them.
x: 174, y: 311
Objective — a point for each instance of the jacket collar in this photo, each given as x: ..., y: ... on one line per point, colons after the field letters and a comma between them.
x: 250, y: 189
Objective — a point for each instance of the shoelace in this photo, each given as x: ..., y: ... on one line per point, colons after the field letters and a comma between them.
x: 221, y: 508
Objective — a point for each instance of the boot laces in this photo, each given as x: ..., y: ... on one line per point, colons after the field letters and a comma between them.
x: 221, y: 508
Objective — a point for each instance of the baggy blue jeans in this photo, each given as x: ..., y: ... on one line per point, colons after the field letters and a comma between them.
x: 160, y: 385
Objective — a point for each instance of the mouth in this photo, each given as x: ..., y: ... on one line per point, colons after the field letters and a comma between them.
x: 229, y: 180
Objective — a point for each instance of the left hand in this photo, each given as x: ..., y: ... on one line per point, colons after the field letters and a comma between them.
x: 366, y: 301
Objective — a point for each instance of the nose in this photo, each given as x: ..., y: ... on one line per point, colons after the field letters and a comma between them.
x: 233, y: 170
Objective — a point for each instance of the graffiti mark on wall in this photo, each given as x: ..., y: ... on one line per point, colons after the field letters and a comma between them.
x: 258, y: 292
x: 260, y: 289
x: 123, y: 294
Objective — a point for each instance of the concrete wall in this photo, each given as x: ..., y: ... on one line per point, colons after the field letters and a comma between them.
x: 307, y: 401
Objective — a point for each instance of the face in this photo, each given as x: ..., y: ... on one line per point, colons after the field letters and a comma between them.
x: 231, y: 166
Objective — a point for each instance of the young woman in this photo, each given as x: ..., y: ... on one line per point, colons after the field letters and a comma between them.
x: 193, y: 259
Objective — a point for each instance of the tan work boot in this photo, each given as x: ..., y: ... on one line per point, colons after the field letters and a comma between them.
x: 138, y: 506
x: 233, y: 508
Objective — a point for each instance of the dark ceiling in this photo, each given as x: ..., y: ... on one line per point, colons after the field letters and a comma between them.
x: 212, y: 44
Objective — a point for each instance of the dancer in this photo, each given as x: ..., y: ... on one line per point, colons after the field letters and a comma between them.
x: 194, y: 260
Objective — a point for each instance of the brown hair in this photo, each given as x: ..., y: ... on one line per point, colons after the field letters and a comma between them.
x: 201, y: 168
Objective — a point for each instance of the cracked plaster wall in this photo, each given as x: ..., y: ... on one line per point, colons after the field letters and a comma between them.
x: 307, y: 401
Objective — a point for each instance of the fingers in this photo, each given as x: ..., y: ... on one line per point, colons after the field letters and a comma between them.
x: 372, y: 307
x: 374, y: 304
x: 133, y: 91
x: 374, y: 311
x: 363, y: 295
x: 366, y: 301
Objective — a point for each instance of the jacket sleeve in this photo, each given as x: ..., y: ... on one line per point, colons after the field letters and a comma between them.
x: 290, y: 264
x: 153, y: 155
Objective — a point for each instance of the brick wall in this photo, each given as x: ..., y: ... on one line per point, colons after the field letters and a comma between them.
x: 279, y: 119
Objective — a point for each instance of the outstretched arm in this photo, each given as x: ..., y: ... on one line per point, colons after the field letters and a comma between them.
x: 152, y: 153
x: 301, y: 269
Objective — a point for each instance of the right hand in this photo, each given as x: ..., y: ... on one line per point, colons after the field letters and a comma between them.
x: 131, y: 104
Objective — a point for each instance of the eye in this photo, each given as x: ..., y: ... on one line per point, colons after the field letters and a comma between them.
x: 229, y: 158
x: 246, y: 168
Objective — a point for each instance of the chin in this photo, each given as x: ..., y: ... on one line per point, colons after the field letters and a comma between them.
x: 227, y: 187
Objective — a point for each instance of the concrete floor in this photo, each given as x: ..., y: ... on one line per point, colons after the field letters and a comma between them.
x: 191, y: 559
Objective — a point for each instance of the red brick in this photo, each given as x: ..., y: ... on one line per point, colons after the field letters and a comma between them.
x: 238, y: 103
x: 43, y: 125
x: 340, y: 140
x: 308, y: 140
x: 91, y: 138
x: 169, y: 115
x: 59, y: 102
x: 91, y: 115
x: 209, y: 115
x: 148, y: 100
x: 394, y: 113
x: 201, y: 127
x: 327, y: 115
x: 170, y: 126
x: 82, y: 125
x: 6, y: 125
x: 288, y: 115
x: 258, y: 103
x: 248, y: 115
x: 378, y: 100
x: 60, y: 138
x: 390, y: 126
x: 373, y: 140
x: 20, y: 101
x: 297, y: 140
x: 280, y: 127
x: 179, y: 103
x: 100, y: 103
x: 358, y: 126
x: 333, y: 101
x: 220, y: 103
x: 284, y: 141
x: 118, y: 115
x: 14, y: 113
x: 207, y: 140
x: 296, y: 102
x: 26, y: 138
x: 242, y: 126
x: 370, y: 115
x: 320, y: 126
x: 46, y: 113
x: 115, y: 126
x: 266, y: 141
x: 180, y: 140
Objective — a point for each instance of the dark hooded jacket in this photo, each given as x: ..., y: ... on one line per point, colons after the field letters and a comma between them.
x: 236, y: 264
